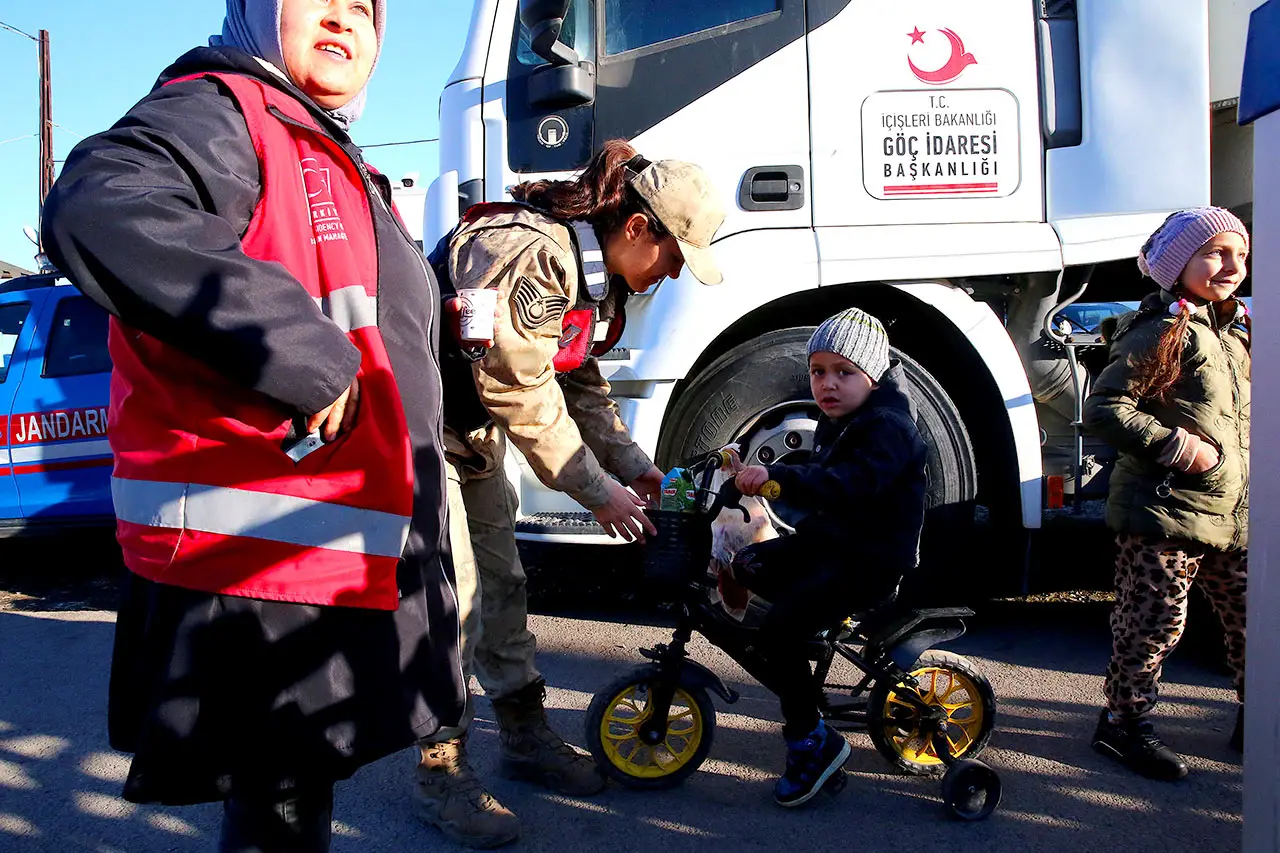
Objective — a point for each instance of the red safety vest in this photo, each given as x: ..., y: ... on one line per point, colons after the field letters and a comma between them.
x: 204, y: 496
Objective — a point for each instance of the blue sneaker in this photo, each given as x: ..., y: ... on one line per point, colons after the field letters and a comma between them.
x: 811, y: 761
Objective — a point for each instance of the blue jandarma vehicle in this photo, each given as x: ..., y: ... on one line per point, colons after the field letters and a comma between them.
x: 55, y: 461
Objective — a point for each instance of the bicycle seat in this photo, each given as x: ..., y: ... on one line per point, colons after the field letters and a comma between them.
x: 869, y: 621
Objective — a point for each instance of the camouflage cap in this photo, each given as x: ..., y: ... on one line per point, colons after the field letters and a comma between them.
x: 687, y: 205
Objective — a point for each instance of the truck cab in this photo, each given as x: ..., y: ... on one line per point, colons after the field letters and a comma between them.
x: 962, y: 170
x: 55, y: 460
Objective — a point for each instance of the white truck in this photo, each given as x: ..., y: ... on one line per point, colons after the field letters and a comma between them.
x: 959, y: 168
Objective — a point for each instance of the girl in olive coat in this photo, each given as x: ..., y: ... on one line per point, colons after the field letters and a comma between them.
x: 1174, y: 401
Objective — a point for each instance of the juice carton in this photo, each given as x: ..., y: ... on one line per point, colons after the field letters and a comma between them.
x: 678, y: 491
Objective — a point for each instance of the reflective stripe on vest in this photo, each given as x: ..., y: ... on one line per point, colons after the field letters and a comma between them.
x: 350, y: 308
x: 261, y: 515
x: 595, y: 276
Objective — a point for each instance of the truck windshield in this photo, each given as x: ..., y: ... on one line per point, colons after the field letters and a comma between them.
x: 631, y: 24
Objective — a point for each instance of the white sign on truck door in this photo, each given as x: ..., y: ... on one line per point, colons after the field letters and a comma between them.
x: 952, y: 143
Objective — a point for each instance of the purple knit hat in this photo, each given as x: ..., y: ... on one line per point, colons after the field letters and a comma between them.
x: 1166, y: 252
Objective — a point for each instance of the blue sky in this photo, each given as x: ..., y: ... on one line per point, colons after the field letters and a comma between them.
x: 106, y: 56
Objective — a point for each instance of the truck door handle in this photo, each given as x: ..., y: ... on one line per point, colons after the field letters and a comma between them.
x: 772, y: 188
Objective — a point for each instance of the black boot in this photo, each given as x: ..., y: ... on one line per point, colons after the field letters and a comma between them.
x: 1237, y: 736
x: 301, y: 824
x: 1134, y: 744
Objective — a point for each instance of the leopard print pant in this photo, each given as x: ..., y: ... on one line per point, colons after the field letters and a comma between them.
x: 1153, y: 580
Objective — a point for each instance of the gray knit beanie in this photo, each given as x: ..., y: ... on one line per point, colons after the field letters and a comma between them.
x: 857, y: 336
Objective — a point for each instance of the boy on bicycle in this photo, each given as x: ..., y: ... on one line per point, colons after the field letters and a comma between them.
x: 864, y: 493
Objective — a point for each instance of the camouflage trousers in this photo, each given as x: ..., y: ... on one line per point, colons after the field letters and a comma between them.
x: 497, y: 645
x: 1153, y: 581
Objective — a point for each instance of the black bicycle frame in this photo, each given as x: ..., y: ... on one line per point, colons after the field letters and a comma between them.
x: 881, y: 658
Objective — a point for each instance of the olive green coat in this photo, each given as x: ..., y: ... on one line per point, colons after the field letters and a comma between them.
x: 1210, y: 399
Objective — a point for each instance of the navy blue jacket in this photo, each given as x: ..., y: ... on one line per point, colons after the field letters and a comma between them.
x: 864, y: 487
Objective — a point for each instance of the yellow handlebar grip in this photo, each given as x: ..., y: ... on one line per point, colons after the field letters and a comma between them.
x: 770, y: 491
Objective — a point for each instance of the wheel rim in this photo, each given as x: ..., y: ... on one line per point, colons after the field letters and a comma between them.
x: 620, y: 733
x: 781, y: 434
x: 944, y: 688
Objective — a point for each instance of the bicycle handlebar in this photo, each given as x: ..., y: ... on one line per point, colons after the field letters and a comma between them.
x: 730, y: 496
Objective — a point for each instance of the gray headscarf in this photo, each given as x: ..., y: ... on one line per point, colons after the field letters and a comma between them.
x: 254, y: 27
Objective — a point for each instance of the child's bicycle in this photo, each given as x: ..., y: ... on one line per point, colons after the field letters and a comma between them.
x: 929, y: 712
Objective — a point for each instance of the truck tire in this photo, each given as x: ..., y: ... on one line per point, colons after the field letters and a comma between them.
x: 759, y: 392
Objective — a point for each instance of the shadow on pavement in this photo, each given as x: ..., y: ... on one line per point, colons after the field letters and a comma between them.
x: 67, y: 570
x: 60, y: 782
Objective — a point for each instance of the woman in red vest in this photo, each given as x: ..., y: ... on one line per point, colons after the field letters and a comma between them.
x: 275, y: 420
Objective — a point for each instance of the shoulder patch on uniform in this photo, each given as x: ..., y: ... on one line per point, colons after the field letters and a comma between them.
x: 535, y: 308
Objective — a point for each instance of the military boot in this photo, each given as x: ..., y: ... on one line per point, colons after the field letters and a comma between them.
x: 531, y: 751
x: 448, y: 795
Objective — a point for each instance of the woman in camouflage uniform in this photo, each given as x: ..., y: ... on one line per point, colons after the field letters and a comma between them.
x: 1174, y: 401
x: 563, y: 258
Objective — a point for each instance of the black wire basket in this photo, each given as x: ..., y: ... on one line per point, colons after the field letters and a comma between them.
x: 682, y: 549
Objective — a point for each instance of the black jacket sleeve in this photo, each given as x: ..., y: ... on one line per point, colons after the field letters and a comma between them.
x: 886, y: 445
x: 146, y: 220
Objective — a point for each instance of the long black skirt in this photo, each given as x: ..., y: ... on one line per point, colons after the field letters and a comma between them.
x: 214, y: 693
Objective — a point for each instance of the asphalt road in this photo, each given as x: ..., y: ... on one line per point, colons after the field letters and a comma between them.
x: 59, y: 781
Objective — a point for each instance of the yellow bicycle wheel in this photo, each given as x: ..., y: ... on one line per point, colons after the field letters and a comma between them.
x: 616, y: 716
x: 947, y: 681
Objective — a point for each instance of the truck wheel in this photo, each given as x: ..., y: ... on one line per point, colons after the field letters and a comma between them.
x: 758, y: 395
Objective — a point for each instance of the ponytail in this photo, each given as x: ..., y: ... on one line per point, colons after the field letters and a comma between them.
x: 601, y: 195
x: 1159, y: 370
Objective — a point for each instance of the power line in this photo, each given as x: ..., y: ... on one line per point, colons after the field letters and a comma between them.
x: 406, y: 142
x: 69, y: 130
x: 5, y: 26
x: 18, y: 138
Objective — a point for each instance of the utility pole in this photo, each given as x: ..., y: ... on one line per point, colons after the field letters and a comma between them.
x: 46, y: 122
x: 45, y: 168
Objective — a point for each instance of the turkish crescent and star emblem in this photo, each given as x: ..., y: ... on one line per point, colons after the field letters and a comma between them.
x: 956, y: 63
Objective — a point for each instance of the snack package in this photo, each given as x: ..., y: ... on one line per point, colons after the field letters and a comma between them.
x: 729, y: 535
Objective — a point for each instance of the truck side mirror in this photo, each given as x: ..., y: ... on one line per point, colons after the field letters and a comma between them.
x: 568, y: 81
x: 544, y: 19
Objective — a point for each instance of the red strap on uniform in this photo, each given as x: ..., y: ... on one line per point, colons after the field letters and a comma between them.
x: 575, y: 339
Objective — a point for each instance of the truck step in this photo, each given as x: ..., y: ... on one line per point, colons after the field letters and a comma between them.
x: 561, y: 523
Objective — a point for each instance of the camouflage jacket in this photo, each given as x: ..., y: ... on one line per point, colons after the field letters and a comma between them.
x: 1211, y: 399
x: 565, y: 425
